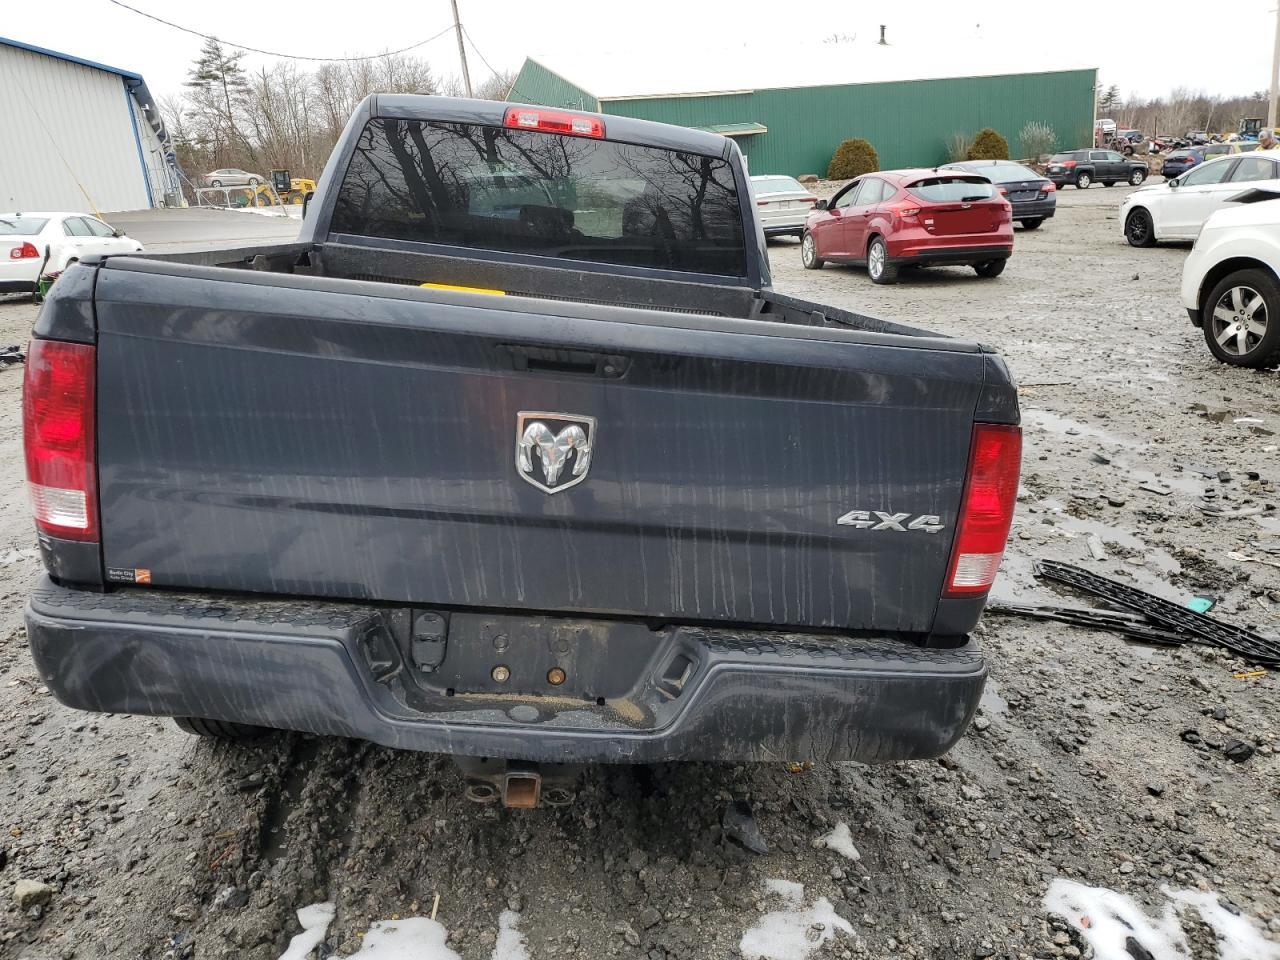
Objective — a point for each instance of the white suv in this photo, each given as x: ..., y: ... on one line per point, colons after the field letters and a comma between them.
x: 1231, y: 283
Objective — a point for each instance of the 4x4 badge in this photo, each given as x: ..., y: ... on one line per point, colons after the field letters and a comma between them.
x: 882, y: 520
x: 548, y: 443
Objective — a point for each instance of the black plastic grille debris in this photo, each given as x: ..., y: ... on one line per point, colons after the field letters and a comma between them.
x: 1252, y: 646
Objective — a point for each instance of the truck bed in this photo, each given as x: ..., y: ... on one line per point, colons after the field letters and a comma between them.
x: 377, y: 264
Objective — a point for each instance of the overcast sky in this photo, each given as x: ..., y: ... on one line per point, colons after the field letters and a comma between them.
x: 1219, y: 47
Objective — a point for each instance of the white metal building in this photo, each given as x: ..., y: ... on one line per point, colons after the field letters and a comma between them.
x: 79, y: 135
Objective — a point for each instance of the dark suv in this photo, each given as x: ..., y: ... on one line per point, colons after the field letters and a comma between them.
x: 1086, y: 167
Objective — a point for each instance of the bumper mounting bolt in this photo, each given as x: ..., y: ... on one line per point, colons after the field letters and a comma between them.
x: 555, y: 676
x: 500, y: 674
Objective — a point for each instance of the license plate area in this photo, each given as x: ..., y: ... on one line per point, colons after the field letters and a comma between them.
x: 517, y: 656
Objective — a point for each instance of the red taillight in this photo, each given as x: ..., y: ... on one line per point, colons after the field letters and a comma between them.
x: 1068, y: 164
x: 1047, y: 187
x: 57, y: 433
x: 990, y: 492
x: 1004, y: 191
x: 907, y: 215
x: 554, y: 121
x: 27, y: 251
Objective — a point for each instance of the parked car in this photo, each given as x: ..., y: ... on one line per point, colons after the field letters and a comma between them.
x: 1180, y: 161
x: 1231, y: 284
x: 439, y: 519
x: 1196, y: 137
x: 1085, y: 167
x: 782, y: 204
x: 34, y: 244
x: 1228, y: 148
x: 1178, y: 208
x: 1131, y: 134
x: 1034, y: 198
x: 229, y: 177
x: 901, y: 218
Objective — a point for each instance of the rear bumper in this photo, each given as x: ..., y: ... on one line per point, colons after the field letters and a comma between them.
x: 1035, y: 209
x: 337, y: 669
x: 18, y: 276
x: 950, y: 256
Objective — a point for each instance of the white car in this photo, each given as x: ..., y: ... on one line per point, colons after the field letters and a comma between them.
x: 1231, y: 282
x: 32, y: 243
x: 783, y: 204
x: 1176, y: 209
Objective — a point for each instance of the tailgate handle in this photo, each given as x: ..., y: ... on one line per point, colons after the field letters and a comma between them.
x: 576, y: 362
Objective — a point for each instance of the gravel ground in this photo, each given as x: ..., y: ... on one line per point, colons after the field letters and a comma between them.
x: 1081, y: 766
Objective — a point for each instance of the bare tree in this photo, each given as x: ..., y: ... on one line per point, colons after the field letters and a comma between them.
x: 958, y: 145
x: 1037, y: 139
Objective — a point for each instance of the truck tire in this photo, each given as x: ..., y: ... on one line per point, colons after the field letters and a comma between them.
x: 1139, y: 229
x: 1137, y: 177
x: 879, y: 269
x: 1260, y: 344
x: 220, y: 729
x: 1084, y: 180
x: 809, y: 258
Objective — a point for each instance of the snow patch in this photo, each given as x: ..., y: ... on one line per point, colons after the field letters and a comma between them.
x: 788, y: 890
x: 1238, y: 937
x: 511, y: 943
x: 315, y: 921
x: 415, y: 938
x: 1107, y: 919
x: 794, y: 933
x: 841, y: 841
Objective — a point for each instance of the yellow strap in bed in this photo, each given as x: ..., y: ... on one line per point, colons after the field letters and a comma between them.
x: 451, y: 286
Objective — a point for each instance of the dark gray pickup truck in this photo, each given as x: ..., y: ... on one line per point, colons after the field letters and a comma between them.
x: 514, y: 454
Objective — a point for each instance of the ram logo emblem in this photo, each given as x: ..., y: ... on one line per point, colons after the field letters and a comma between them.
x: 553, y: 450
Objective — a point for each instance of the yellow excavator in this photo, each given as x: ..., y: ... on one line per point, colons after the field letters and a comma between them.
x: 289, y: 189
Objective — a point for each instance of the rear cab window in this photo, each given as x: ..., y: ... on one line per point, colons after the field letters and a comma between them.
x: 21, y: 226
x: 952, y: 189
x: 492, y: 188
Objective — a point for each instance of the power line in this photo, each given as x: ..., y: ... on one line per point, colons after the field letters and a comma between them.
x: 273, y: 53
x: 483, y: 58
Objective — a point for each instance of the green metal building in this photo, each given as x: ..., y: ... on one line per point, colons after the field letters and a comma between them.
x: 795, y: 130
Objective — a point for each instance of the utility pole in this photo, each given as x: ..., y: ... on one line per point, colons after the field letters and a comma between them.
x: 466, y: 75
x: 1275, y: 67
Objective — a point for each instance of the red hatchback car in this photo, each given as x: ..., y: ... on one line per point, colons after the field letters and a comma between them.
x: 898, y: 218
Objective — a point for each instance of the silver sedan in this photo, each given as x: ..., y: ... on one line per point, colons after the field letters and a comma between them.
x: 783, y: 204
x: 232, y: 178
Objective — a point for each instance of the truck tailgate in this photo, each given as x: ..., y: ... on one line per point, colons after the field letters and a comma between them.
x: 307, y: 440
